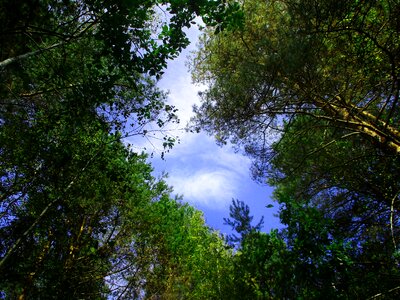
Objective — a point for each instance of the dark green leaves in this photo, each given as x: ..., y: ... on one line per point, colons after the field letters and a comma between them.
x: 81, y: 214
x: 241, y: 221
x: 309, y: 90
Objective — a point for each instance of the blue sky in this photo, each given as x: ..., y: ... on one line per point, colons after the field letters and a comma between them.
x: 206, y: 175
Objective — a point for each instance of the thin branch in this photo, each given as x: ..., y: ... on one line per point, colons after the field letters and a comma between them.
x: 391, y: 220
x: 5, y: 63
x: 382, y: 294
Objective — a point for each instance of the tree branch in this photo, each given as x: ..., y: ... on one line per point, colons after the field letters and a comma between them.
x: 5, y: 63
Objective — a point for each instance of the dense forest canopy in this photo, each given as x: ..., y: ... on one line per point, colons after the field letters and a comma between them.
x: 81, y: 215
x: 310, y: 91
x: 308, y: 88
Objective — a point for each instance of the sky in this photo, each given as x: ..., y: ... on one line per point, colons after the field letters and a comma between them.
x: 206, y: 175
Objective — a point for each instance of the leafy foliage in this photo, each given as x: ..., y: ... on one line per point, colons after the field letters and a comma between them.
x: 333, y: 60
x: 241, y: 221
x: 309, y: 89
x: 311, y: 259
x: 81, y: 215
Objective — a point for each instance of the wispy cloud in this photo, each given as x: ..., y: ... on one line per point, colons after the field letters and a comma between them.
x: 211, y: 188
x: 204, y: 173
x: 226, y: 158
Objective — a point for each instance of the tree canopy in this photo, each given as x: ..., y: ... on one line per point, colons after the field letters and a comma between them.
x: 334, y: 60
x: 82, y: 217
x: 309, y: 90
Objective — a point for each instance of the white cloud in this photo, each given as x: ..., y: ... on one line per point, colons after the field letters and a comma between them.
x: 183, y: 94
x: 202, y: 149
x: 206, y: 174
x: 211, y: 188
x: 225, y: 157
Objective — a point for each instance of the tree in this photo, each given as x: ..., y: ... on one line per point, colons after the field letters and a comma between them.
x: 326, y: 261
x: 190, y: 260
x: 341, y: 230
x: 335, y: 61
x: 311, y: 258
x: 310, y: 90
x: 76, y: 78
x: 258, y: 259
x: 60, y: 231
x: 348, y: 179
x: 241, y: 222
x: 349, y: 183
x: 94, y: 56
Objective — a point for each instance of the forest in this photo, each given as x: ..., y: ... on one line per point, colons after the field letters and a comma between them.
x: 308, y: 89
